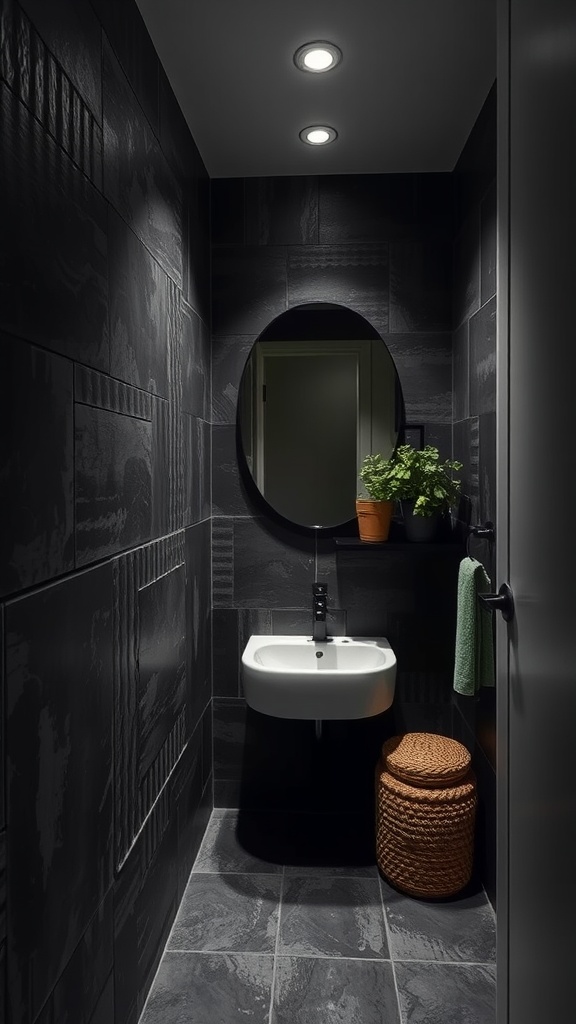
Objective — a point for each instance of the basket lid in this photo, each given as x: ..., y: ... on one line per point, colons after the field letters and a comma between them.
x: 425, y: 759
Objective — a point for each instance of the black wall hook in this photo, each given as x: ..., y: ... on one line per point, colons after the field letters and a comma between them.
x: 485, y: 532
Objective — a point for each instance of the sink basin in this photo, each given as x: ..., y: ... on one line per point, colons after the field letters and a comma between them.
x: 296, y: 677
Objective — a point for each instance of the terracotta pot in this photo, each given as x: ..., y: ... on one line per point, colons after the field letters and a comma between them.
x: 374, y: 519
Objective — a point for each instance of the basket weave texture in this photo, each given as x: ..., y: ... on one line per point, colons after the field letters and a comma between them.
x: 425, y: 826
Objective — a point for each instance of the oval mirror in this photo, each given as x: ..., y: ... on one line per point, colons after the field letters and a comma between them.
x: 319, y: 392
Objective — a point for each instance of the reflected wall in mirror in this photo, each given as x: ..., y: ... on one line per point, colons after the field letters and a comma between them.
x: 319, y: 392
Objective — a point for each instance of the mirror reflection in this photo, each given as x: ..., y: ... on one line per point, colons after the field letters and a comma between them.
x: 318, y: 393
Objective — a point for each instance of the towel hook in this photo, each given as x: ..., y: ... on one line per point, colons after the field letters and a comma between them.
x: 485, y: 532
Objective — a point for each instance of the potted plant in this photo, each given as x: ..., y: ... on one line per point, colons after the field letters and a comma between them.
x: 427, y: 489
x: 375, y: 512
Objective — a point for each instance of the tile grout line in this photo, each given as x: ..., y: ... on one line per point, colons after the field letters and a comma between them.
x: 273, y: 986
x: 388, y: 939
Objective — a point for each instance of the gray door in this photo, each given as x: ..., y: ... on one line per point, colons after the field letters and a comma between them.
x: 537, y: 512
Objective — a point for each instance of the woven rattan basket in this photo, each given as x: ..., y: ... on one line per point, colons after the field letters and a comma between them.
x: 425, y: 813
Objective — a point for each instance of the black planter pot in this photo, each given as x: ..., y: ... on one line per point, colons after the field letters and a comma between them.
x: 420, y: 529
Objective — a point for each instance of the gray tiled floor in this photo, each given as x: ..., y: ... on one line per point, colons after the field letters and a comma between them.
x: 267, y: 942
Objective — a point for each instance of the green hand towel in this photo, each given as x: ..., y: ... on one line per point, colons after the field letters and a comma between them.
x: 474, y: 662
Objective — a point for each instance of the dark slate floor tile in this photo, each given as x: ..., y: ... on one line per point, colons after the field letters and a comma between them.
x: 54, y: 286
x: 420, y: 286
x: 36, y: 449
x: 113, y: 482
x: 339, y: 917
x: 34, y: 74
x: 229, y: 357
x: 488, y: 227
x: 126, y: 31
x: 461, y: 929
x: 223, y: 850
x: 273, y: 568
x: 440, y: 993
x: 483, y: 359
x: 58, y: 24
x: 137, y: 177
x: 59, y: 740
x: 248, y: 288
x: 365, y: 207
x: 321, y: 991
x: 195, y: 364
x: 281, y: 210
x: 139, y: 311
x: 424, y: 365
x: 353, y: 275
x: 194, y: 988
x: 228, y: 913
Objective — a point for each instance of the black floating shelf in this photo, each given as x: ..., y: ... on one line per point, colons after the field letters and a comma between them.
x: 399, y: 545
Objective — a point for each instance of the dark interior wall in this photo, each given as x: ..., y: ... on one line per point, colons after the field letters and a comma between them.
x: 105, y: 496
x: 475, y: 424
x: 382, y: 245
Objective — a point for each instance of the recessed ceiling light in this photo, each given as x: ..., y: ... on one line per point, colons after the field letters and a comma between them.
x: 318, y: 134
x: 317, y: 57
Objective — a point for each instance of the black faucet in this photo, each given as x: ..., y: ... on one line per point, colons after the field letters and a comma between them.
x: 319, y: 599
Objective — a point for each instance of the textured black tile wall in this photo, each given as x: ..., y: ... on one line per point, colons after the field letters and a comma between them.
x: 380, y: 244
x: 474, y: 385
x: 105, y: 552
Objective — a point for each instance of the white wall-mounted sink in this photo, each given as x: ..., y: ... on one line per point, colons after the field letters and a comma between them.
x: 341, y: 678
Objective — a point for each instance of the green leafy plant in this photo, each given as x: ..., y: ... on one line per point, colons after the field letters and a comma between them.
x: 421, y: 477
x: 379, y: 478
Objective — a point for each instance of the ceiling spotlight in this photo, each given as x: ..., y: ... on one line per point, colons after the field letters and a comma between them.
x: 317, y: 57
x: 318, y: 135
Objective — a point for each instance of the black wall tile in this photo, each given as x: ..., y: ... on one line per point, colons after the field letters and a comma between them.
x: 196, y: 437
x: 228, y: 493
x: 35, y: 76
x: 229, y: 723
x: 145, y: 904
x: 488, y: 239
x: 139, y: 311
x: 366, y: 207
x: 193, y: 806
x: 483, y: 359
x: 139, y: 779
x: 420, y: 286
x: 466, y: 451
x: 229, y: 355
x: 353, y: 275
x: 487, y: 466
x: 195, y: 364
x: 71, y: 31
x: 476, y: 167
x: 424, y: 365
x: 54, y: 285
x: 113, y: 482
x: 198, y: 615
x: 228, y: 214
x: 36, y: 389
x: 461, y: 372
x: 281, y: 211
x: 273, y: 566
x: 249, y: 288
x: 79, y: 991
x: 137, y: 178
x: 59, y: 748
x: 226, y: 652
x: 123, y: 24
x: 161, y: 663
x: 467, y: 269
